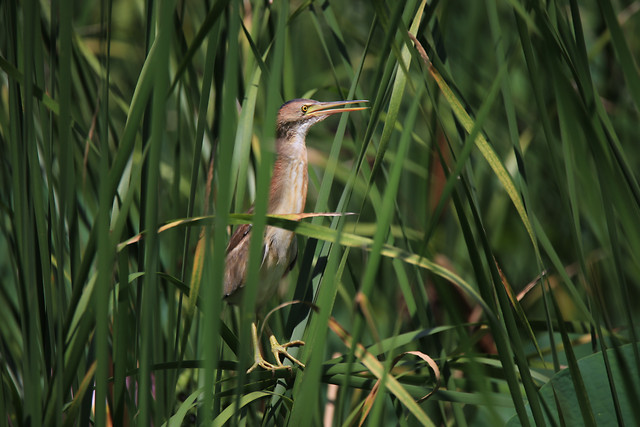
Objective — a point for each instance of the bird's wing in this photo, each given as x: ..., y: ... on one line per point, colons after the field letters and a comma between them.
x: 242, y: 233
x: 235, y: 271
x: 293, y: 251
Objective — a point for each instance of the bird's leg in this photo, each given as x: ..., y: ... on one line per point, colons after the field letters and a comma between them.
x: 258, y: 359
x: 276, y: 348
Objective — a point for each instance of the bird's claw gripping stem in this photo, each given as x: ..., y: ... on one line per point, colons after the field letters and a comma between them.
x: 276, y: 348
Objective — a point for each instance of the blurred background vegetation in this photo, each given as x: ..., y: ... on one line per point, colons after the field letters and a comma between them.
x: 490, y: 275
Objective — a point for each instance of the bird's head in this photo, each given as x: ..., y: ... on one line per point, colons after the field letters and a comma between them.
x: 298, y: 115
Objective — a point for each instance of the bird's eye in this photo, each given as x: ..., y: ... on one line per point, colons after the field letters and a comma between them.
x: 304, y: 108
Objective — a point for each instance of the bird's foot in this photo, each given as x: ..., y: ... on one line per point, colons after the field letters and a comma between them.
x: 276, y: 348
x: 281, y: 349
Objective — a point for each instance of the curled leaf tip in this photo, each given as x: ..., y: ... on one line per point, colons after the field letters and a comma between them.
x: 421, y: 51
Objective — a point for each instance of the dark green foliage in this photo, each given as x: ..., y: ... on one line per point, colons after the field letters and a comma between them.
x: 495, y: 185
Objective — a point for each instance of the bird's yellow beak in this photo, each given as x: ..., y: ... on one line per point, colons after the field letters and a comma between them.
x: 328, y: 108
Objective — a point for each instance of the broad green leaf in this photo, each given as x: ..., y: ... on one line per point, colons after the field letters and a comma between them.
x: 561, y: 399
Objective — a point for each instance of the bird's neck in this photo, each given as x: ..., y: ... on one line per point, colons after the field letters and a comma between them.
x: 288, y: 190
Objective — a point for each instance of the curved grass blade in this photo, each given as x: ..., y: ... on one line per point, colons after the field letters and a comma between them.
x: 231, y: 410
x: 188, y: 404
x: 483, y: 145
x: 377, y: 369
x: 327, y: 234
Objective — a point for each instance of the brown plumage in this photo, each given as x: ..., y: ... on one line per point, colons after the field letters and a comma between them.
x: 287, y: 195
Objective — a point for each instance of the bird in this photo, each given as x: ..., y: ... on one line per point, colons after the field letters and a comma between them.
x: 287, y: 195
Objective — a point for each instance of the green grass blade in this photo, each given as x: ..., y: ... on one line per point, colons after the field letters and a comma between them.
x: 627, y: 63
